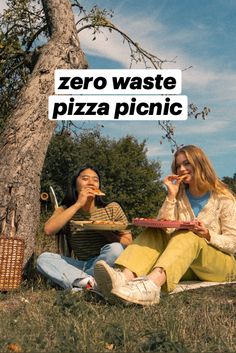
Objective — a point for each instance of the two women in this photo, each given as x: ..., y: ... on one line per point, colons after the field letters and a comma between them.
x: 160, y: 259
x: 88, y: 246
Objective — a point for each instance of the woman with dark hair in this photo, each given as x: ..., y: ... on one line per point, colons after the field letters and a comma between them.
x: 160, y: 259
x: 83, y: 203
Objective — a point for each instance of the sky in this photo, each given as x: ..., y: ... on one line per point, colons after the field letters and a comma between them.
x: 197, y: 33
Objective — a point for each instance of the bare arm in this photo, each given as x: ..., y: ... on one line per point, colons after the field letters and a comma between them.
x: 62, y: 216
x: 59, y: 219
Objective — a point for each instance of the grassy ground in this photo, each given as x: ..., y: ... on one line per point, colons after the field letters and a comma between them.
x: 39, y: 318
x: 48, y: 320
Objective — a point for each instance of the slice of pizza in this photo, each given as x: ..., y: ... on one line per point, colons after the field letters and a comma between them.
x: 182, y: 177
x: 99, y: 192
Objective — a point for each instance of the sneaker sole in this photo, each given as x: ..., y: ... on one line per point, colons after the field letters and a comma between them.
x: 103, y: 278
x: 129, y: 300
x: 95, y: 291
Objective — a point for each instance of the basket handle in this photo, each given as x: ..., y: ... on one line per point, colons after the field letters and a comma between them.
x: 4, y: 223
x: 13, y: 228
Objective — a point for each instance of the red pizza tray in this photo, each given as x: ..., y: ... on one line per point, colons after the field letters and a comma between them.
x: 154, y: 223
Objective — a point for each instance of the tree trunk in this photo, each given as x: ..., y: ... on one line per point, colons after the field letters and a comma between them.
x: 24, y: 142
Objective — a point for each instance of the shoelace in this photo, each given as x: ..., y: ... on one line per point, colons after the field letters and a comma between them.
x: 137, y: 282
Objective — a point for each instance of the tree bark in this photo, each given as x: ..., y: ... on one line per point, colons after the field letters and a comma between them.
x: 24, y: 142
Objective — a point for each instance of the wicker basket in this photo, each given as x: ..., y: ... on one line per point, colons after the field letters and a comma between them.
x: 11, y: 261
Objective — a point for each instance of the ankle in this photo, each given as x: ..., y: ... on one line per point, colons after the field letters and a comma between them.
x: 129, y: 275
x: 158, y: 276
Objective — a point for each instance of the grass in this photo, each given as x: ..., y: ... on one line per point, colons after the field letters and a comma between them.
x: 43, y: 319
x: 39, y: 318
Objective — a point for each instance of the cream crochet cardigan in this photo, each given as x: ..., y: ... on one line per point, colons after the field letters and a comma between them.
x: 218, y: 215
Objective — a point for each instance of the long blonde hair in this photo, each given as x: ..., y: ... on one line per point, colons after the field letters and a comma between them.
x: 204, y: 175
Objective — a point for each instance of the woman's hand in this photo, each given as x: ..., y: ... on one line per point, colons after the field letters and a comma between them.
x: 57, y: 222
x: 84, y: 195
x: 172, y: 182
x: 201, y: 230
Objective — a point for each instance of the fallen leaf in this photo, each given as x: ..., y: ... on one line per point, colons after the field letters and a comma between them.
x: 14, y: 347
x: 109, y: 346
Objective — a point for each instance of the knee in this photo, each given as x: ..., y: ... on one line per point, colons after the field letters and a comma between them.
x: 113, y: 250
x: 186, y: 236
x: 44, y: 258
x: 149, y: 237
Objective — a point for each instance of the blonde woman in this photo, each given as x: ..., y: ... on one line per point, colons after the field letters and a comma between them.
x: 163, y: 258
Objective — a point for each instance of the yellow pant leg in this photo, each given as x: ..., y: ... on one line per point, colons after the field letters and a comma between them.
x: 187, y: 250
x: 189, y: 276
x: 142, y: 254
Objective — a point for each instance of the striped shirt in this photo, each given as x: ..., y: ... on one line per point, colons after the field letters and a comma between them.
x: 87, y: 243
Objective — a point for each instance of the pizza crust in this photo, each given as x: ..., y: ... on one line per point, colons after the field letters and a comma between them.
x: 99, y: 192
x: 182, y: 177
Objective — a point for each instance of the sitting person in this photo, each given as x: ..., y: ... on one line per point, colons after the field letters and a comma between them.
x: 88, y: 246
x: 161, y: 258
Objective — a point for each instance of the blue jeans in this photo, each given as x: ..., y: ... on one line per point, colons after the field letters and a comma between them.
x: 64, y: 270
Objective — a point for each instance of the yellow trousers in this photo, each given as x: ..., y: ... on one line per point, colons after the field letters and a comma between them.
x: 184, y: 256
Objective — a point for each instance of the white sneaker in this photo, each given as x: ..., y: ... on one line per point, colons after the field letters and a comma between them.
x: 86, y: 283
x: 76, y: 289
x: 141, y: 290
x: 82, y: 283
x: 108, y: 278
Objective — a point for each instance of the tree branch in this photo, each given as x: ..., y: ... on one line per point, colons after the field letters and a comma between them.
x: 155, y: 61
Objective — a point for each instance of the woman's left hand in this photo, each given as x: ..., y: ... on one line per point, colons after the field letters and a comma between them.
x: 201, y: 230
